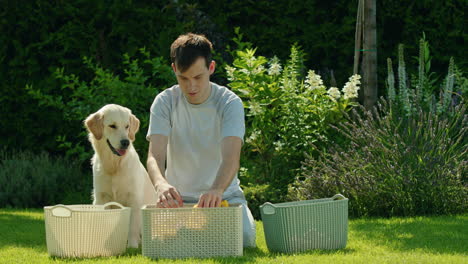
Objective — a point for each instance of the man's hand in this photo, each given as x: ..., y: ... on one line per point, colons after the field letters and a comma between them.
x: 211, y: 198
x: 168, y: 196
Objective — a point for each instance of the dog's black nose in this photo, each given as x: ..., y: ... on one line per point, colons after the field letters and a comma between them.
x: 124, y: 143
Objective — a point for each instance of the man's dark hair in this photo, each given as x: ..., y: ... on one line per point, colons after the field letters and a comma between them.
x: 187, y: 48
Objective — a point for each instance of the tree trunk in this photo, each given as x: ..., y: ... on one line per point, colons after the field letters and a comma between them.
x: 369, y: 57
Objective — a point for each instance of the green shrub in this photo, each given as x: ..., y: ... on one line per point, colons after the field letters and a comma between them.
x: 258, y: 194
x: 40, y: 36
x: 284, y: 111
x: 406, y: 157
x: 36, y: 179
x: 425, y: 94
x: 394, y: 166
x: 136, y: 88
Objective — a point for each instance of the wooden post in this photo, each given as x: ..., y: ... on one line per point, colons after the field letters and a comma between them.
x: 369, y: 57
x: 358, y: 37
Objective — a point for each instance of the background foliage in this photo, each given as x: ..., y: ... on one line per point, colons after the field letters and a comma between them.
x: 394, y: 167
x: 407, y: 157
x: 78, y: 99
x: 285, y: 109
x: 36, y: 179
x: 40, y: 36
x: 62, y: 60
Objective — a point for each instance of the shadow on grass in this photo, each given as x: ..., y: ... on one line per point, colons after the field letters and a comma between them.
x: 252, y: 255
x: 443, y: 234
x: 23, y: 229
x: 130, y: 252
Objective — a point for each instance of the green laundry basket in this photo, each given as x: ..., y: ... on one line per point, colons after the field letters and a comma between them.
x: 305, y: 225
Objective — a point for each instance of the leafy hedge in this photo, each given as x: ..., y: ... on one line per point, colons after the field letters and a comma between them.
x: 325, y: 29
x: 78, y: 99
x: 40, y: 36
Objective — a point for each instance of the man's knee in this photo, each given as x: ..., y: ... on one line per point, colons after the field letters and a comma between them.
x: 249, y: 236
x: 248, y: 222
x: 249, y: 228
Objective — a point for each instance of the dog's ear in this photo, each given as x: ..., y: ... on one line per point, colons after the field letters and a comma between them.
x: 95, y: 125
x: 134, y: 126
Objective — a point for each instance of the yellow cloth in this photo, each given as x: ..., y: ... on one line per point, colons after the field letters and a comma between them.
x: 224, y: 203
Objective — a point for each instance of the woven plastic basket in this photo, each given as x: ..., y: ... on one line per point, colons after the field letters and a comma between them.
x: 191, y: 232
x: 86, y: 230
x: 305, y: 225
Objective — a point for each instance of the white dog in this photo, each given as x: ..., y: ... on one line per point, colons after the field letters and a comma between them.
x: 117, y: 171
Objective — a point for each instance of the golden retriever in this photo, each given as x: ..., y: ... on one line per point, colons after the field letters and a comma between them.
x: 118, y: 174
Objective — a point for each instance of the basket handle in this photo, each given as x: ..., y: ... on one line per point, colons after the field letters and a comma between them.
x: 338, y: 197
x: 268, y: 208
x: 61, y: 210
x: 113, y: 203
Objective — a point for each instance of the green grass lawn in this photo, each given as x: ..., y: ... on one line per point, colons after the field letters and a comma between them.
x: 441, y: 239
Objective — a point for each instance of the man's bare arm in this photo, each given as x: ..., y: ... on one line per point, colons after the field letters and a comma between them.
x: 230, y: 149
x: 167, y: 194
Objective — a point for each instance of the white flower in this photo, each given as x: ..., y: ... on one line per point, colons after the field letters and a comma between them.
x: 255, y: 108
x: 313, y: 81
x: 351, y: 88
x: 355, y: 78
x: 243, y: 171
x: 288, y: 84
x: 258, y: 70
x: 230, y: 73
x: 275, y: 69
x: 245, y: 71
x: 334, y: 93
x: 253, y: 136
x: 251, y: 61
x: 275, y: 66
x: 278, y: 145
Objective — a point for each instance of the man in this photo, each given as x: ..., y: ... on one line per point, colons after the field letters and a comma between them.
x: 197, y: 127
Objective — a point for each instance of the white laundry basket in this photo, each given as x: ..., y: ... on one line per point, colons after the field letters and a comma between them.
x: 188, y: 232
x: 86, y: 230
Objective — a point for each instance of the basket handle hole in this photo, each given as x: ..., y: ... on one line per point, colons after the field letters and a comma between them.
x: 268, y: 209
x: 61, y: 212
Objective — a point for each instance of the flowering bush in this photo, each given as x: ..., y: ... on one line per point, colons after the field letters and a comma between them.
x: 422, y: 91
x: 393, y: 166
x: 284, y: 113
x: 407, y: 157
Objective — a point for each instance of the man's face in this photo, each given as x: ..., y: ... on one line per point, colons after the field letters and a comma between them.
x: 195, y: 81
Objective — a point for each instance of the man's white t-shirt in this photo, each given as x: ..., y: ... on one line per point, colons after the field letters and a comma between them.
x: 195, y: 133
